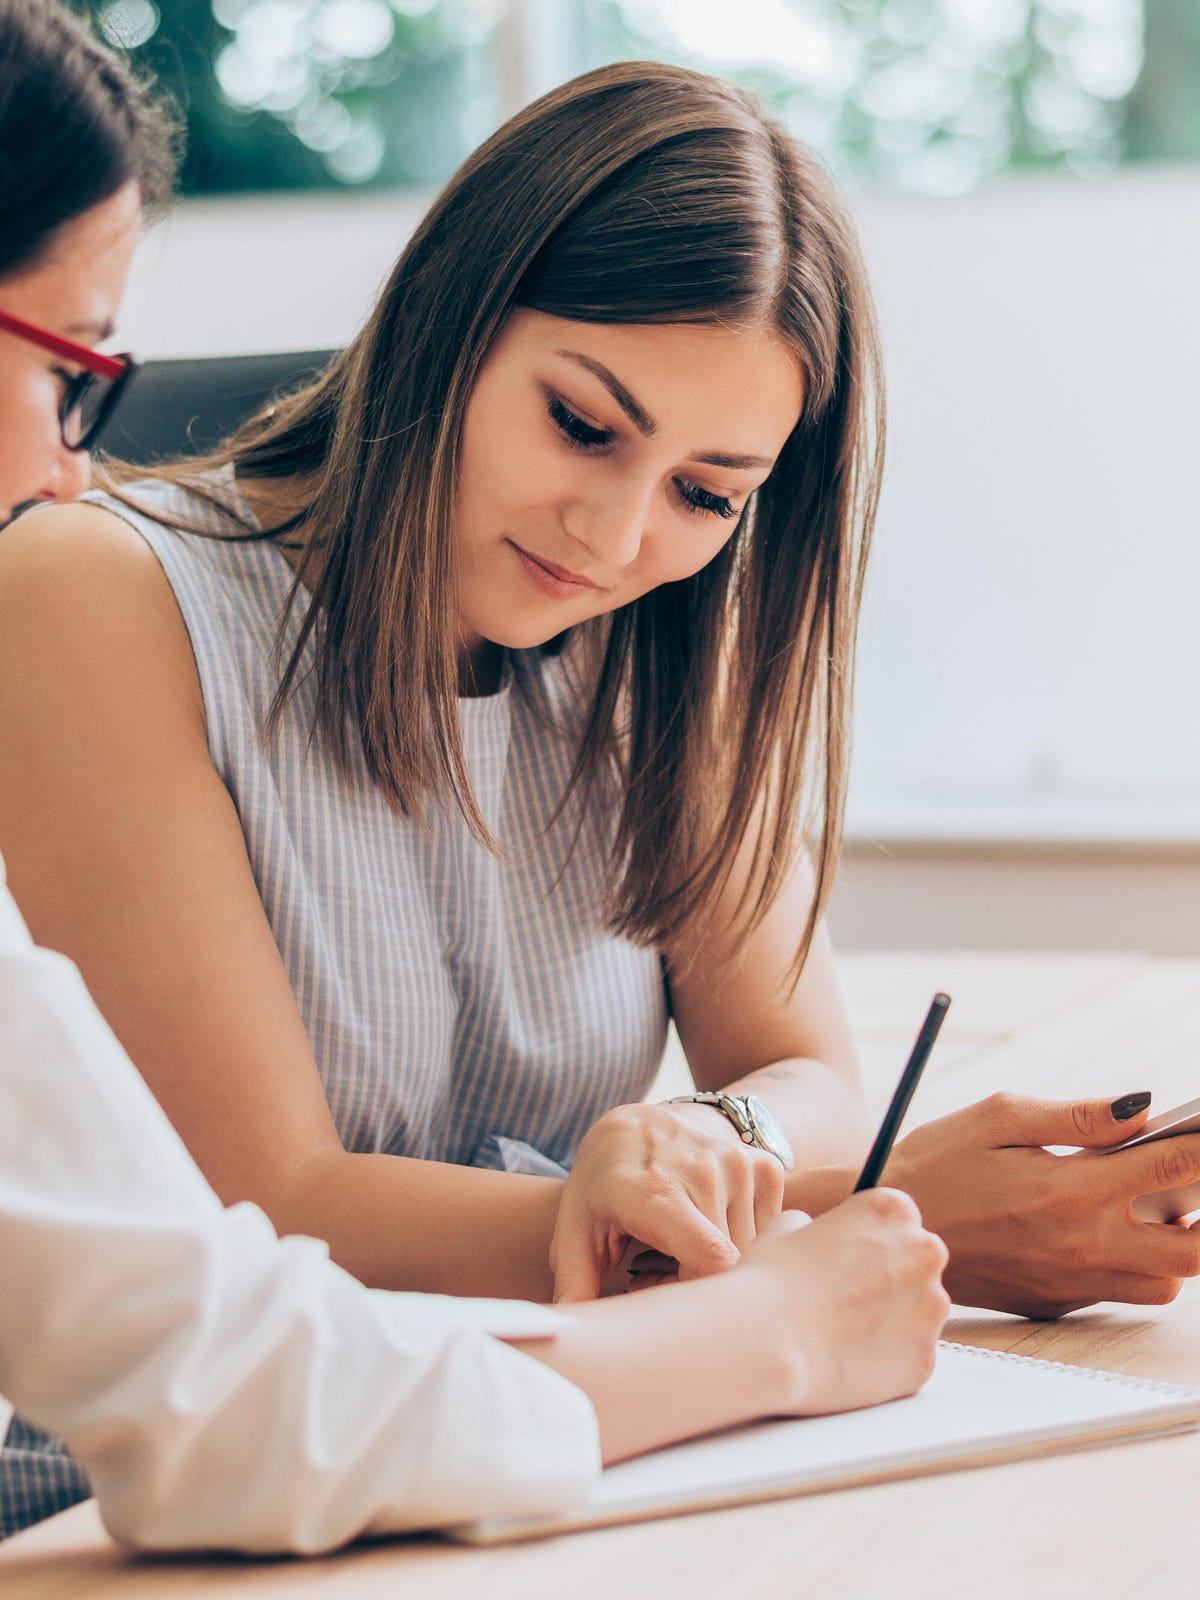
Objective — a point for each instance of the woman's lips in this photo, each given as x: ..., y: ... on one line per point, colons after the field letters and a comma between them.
x: 549, y: 578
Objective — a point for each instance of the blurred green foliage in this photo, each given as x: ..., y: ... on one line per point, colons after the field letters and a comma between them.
x: 938, y: 95
x: 929, y: 95
x: 286, y: 94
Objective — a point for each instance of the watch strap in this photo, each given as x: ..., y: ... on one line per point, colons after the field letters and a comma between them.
x: 732, y: 1107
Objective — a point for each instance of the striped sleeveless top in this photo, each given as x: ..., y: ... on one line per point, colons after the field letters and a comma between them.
x: 461, y: 1007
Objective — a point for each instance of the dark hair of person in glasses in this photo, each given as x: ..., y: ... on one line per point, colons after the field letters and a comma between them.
x: 76, y: 125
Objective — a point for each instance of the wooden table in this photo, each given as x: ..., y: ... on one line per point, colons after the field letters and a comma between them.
x: 1105, y: 1524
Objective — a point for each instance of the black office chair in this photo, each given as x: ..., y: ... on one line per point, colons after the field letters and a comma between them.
x: 187, y: 407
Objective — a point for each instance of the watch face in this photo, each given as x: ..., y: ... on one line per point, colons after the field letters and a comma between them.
x: 769, y: 1129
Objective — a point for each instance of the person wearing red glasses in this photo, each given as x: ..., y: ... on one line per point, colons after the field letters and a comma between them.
x: 222, y: 1386
x: 59, y: 392
x: 83, y: 159
x: 90, y: 385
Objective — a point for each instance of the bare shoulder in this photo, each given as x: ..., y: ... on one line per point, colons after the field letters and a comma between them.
x: 83, y: 599
x: 60, y: 554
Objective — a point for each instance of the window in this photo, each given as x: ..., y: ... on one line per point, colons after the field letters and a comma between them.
x: 934, y: 96
x: 931, y: 96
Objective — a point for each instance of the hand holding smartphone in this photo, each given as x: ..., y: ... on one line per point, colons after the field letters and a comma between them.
x: 1168, y: 1205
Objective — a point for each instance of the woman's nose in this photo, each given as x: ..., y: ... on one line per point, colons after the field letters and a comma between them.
x: 72, y: 476
x: 613, y: 527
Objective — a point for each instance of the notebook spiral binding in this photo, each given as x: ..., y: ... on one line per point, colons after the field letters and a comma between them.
x: 1124, y: 1379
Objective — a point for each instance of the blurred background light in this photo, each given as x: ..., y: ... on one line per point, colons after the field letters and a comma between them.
x: 129, y: 24
x: 926, y: 96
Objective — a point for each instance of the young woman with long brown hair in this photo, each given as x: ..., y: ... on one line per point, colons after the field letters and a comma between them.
x: 162, y: 1337
x: 498, y: 708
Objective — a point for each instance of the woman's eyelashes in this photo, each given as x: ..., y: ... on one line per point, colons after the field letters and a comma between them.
x: 580, y: 435
x: 68, y: 382
x: 697, y: 499
x: 576, y: 430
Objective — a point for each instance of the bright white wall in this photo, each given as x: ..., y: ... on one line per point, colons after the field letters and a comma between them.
x: 1030, y: 650
x: 1030, y: 660
x: 262, y: 273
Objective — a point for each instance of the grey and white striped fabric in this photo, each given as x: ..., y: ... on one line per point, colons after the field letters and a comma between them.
x: 450, y: 997
x: 461, y: 1007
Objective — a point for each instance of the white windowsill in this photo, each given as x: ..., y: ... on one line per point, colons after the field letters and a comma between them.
x: 1067, y: 823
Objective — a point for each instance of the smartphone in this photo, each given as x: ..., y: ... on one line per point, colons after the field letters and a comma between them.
x: 1169, y: 1204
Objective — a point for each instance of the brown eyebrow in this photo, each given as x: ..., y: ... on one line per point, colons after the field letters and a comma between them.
x: 718, y: 458
x: 645, y: 423
x: 102, y: 330
x: 641, y: 419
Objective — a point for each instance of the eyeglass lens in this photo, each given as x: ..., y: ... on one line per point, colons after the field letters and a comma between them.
x: 86, y: 406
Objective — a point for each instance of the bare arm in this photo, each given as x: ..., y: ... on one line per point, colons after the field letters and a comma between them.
x: 125, y: 851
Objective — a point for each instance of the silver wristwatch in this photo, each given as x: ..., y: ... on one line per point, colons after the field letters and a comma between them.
x: 755, y: 1122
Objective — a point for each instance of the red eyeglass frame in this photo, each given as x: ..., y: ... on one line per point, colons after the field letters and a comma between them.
x: 116, y: 370
x: 110, y: 367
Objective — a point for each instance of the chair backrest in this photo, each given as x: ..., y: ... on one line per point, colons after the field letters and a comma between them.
x: 187, y: 407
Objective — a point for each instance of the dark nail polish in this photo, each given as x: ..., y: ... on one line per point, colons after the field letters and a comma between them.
x: 1129, y: 1105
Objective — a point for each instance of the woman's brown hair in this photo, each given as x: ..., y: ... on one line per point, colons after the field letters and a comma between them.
x: 638, y: 193
x: 76, y: 125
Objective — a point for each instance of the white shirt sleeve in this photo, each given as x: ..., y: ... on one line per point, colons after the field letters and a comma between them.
x: 224, y: 1387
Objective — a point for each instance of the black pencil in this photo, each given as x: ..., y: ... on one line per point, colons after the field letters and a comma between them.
x: 905, y: 1089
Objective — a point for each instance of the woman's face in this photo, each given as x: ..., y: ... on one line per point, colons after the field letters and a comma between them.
x: 600, y: 460
x: 74, y: 291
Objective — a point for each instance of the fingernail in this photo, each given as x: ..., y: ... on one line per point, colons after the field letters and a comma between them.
x: 1129, y: 1105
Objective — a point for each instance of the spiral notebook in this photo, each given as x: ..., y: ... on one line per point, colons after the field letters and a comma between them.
x: 980, y: 1407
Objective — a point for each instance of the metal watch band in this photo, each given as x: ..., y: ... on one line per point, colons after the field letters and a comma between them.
x: 732, y: 1108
